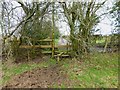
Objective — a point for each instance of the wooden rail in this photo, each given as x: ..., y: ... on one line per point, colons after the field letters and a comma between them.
x: 44, y: 40
x: 53, y: 52
x: 44, y: 46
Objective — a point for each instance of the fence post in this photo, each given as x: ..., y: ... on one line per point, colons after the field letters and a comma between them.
x: 53, y: 23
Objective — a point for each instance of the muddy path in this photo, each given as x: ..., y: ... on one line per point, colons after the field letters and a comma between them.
x: 40, y: 78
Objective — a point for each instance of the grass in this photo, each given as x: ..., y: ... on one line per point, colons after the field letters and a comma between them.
x: 100, y: 41
x: 97, y: 71
x: 18, y: 69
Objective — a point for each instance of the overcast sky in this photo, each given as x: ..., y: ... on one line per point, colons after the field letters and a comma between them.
x: 104, y: 26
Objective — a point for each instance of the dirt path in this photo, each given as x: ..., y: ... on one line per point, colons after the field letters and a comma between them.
x: 42, y: 78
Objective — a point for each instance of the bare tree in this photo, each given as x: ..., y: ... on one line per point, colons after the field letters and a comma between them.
x: 83, y: 16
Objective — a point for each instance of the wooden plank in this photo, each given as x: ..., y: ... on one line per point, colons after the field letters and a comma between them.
x: 44, y: 40
x: 60, y: 46
x: 43, y: 46
x: 58, y: 55
x: 62, y: 55
x: 25, y: 46
x: 36, y: 46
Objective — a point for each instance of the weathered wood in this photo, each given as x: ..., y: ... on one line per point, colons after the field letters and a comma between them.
x: 53, y: 29
x: 61, y: 54
x: 36, y: 46
x: 64, y: 55
x: 58, y: 56
x: 43, y: 46
x: 44, y: 40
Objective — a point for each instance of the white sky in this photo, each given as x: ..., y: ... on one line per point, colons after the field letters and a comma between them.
x: 105, y: 25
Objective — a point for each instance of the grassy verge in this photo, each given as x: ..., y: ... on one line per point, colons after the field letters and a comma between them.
x: 97, y: 71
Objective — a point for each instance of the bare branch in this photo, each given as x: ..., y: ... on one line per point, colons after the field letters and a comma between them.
x: 24, y: 21
x: 13, y: 9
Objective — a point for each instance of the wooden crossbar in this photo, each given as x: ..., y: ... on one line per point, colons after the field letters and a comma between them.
x: 61, y: 54
x: 43, y: 46
x: 64, y: 55
x: 36, y: 46
x: 44, y: 40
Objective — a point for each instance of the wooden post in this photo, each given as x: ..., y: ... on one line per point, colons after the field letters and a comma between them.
x: 67, y: 48
x: 53, y: 23
x: 106, y: 43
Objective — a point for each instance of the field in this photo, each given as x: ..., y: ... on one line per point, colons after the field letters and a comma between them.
x: 99, y: 70
x: 59, y: 44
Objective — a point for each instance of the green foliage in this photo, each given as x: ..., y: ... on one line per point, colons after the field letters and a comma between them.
x: 39, y: 32
x: 56, y: 33
x: 114, y: 39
